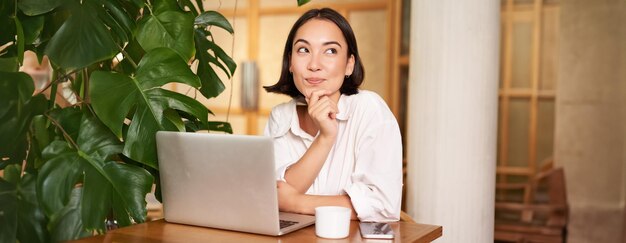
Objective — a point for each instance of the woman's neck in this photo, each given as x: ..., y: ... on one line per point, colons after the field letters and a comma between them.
x: 305, y: 121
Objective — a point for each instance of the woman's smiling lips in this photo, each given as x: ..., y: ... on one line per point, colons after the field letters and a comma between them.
x: 314, y: 80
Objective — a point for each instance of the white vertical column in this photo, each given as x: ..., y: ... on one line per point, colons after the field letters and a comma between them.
x: 452, y: 116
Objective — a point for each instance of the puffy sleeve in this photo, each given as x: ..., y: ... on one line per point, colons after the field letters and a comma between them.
x: 277, y: 127
x: 376, y: 188
x: 282, y: 158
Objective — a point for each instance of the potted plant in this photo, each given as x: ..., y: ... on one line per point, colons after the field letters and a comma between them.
x: 69, y: 169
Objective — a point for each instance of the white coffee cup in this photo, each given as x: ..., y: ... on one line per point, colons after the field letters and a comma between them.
x: 332, y: 222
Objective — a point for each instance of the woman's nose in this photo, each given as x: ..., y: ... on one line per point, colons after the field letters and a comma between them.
x: 314, y: 64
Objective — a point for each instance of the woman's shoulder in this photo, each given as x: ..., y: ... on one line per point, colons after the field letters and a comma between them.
x: 280, y: 118
x: 366, y: 105
x: 283, y: 108
x: 369, y: 106
x: 369, y: 96
x: 369, y: 102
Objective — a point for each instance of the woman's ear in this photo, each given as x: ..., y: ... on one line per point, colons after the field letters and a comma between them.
x: 350, y: 65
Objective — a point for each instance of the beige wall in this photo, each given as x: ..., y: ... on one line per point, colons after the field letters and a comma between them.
x: 590, y: 137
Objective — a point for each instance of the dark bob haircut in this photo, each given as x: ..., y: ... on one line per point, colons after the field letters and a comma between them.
x: 350, y: 86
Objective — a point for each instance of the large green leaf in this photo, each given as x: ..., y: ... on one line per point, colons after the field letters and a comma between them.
x: 138, y: 3
x: 167, y: 29
x: 37, y: 7
x: 142, y: 95
x: 213, y: 18
x: 209, y: 52
x: 206, y: 46
x: 31, y: 221
x: 15, y: 88
x: 220, y: 56
x: 7, y: 28
x: 122, y: 16
x: 33, y: 25
x: 16, y: 112
x: 52, y: 23
x: 21, y: 41
x: 57, y: 177
x: 41, y: 134
x: 187, y: 4
x: 212, y: 126
x: 134, y: 52
x: 20, y: 216
x: 70, y: 119
x: 82, y: 40
x: 67, y: 224
x: 160, y: 6
x: 13, y: 173
x: 9, y: 64
x: 119, y: 19
x: 8, y: 211
x: 104, y: 182
x: 121, y: 35
x: 130, y: 180
x: 212, y: 86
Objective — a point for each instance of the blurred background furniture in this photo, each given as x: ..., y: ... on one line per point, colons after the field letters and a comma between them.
x: 541, y: 214
x: 406, y: 217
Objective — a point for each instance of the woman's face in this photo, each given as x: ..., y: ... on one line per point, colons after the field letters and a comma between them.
x: 319, y: 59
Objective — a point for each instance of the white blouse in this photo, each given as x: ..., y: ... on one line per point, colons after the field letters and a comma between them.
x: 365, y: 162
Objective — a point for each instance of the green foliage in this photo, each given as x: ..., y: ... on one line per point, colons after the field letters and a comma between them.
x: 22, y: 217
x: 142, y: 93
x: 17, y: 109
x: 68, y: 170
x: 167, y: 29
x: 303, y: 2
x: 73, y: 45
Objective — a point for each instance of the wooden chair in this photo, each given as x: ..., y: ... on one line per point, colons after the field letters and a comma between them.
x: 406, y: 217
x: 542, y: 217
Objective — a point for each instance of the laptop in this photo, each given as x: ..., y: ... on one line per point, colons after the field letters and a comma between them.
x: 222, y: 181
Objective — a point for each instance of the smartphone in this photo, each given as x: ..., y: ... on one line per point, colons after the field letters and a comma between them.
x: 372, y: 230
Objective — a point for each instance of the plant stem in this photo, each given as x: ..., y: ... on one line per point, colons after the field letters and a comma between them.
x: 67, y: 136
x: 126, y: 55
x: 53, y: 92
x: 54, y: 81
x: 232, y: 54
x: 79, y: 100
x: 85, y: 86
x: 149, y: 6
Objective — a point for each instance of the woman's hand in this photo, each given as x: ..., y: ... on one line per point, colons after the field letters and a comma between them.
x: 288, y: 197
x: 323, y: 111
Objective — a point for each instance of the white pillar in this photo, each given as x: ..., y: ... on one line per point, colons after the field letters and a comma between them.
x: 452, y: 117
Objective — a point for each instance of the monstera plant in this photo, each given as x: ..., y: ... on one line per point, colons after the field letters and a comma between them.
x: 69, y: 170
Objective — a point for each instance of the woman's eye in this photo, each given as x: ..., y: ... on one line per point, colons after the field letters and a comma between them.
x: 331, y: 51
x: 302, y: 50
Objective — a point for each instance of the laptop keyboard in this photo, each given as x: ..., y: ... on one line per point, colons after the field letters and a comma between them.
x: 286, y: 223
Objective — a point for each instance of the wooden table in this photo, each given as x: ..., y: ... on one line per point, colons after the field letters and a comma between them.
x: 161, y: 231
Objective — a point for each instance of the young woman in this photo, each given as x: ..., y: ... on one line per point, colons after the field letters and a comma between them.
x: 334, y: 144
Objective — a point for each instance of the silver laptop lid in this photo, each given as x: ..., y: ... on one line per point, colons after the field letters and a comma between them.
x: 218, y: 180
